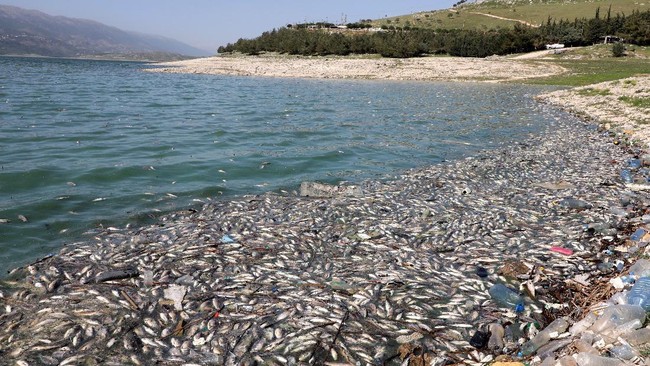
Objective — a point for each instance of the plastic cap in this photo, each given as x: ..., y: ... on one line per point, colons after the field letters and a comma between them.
x: 519, y: 308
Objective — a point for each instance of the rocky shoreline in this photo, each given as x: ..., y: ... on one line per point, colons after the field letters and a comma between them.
x: 430, y: 68
x: 395, y: 271
x: 617, y: 104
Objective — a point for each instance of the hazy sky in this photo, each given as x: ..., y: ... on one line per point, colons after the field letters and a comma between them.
x: 208, y: 24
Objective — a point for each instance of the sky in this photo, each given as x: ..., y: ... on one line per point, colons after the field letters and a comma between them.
x: 208, y: 24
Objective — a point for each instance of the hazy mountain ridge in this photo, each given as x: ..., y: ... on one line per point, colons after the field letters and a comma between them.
x: 31, y: 32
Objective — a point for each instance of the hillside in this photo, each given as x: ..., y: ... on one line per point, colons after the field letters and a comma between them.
x: 30, y: 32
x: 489, y: 14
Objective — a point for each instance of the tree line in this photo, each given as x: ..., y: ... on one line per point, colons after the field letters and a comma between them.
x: 413, y: 42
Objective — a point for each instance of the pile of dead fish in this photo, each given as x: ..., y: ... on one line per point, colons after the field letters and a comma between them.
x: 384, y: 273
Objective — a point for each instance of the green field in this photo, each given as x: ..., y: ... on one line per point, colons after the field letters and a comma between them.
x: 534, y: 12
x: 590, y: 65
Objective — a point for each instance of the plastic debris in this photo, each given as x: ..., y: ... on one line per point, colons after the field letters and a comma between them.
x: 480, y: 339
x: 590, y: 359
x: 640, y: 268
x: 481, y: 272
x: 638, y: 234
x: 616, y: 315
x: 559, y: 325
x: 561, y: 250
x: 507, y: 297
x: 495, y: 343
x: 176, y: 294
x: 626, y: 176
x: 148, y: 277
x: 640, y: 293
x: 634, y: 163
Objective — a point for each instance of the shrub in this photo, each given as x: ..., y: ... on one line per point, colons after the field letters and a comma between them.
x: 618, y: 50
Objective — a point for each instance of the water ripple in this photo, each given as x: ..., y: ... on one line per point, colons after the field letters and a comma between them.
x: 91, y: 143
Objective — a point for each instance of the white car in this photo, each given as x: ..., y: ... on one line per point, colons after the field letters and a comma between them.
x: 554, y: 46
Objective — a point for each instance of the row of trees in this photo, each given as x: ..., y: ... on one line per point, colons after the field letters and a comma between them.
x: 634, y: 28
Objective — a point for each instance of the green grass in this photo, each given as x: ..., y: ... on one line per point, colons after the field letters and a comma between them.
x: 639, y: 102
x: 534, y: 12
x: 586, y: 66
x: 592, y: 92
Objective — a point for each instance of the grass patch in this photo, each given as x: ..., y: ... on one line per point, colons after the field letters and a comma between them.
x: 535, y: 12
x: 638, y: 102
x: 592, y: 92
x: 585, y: 72
x: 631, y: 82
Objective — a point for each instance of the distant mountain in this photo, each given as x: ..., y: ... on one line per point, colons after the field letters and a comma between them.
x: 31, y: 32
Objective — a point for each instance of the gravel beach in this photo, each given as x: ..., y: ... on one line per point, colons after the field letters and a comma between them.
x: 611, y: 104
x: 383, y: 273
x: 422, y: 68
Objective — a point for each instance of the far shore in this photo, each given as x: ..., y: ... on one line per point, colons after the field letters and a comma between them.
x: 496, y: 69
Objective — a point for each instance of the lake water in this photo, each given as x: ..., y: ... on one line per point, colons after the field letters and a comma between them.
x: 88, y: 144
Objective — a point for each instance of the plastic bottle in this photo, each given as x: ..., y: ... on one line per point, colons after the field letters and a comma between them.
x: 559, y: 325
x: 634, y: 163
x: 579, y: 327
x: 495, y: 343
x: 638, y: 234
x: 637, y: 337
x: 640, y: 293
x: 640, y: 268
x: 590, y: 359
x: 506, y: 297
x: 616, y: 315
x: 623, y: 352
x: 614, y: 333
x: 626, y: 176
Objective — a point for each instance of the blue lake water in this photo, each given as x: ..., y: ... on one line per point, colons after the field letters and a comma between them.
x: 87, y: 144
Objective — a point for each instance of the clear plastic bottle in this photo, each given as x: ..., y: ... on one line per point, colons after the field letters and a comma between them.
x: 579, y: 327
x: 640, y: 293
x: 589, y: 359
x: 637, y: 337
x: 507, y: 297
x: 559, y: 325
x: 640, y: 268
x: 616, y: 315
x: 626, y: 176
